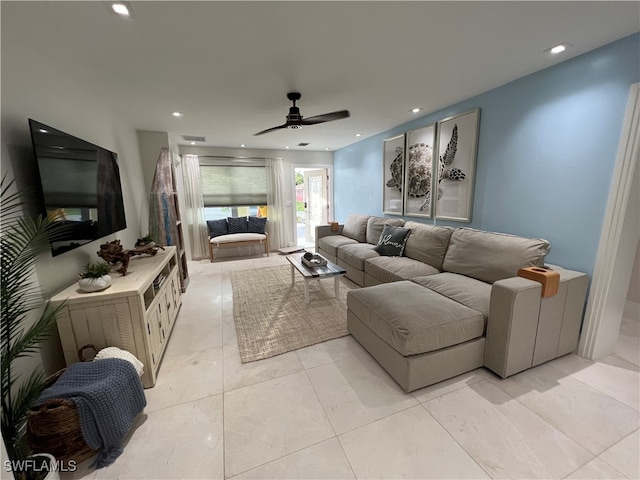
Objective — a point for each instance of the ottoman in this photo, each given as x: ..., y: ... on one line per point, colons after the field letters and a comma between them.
x: 420, y: 337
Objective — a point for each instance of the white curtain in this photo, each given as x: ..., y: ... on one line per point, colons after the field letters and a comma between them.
x: 193, y: 216
x: 280, y: 217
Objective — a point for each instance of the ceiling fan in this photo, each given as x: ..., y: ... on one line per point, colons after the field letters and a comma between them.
x: 295, y: 119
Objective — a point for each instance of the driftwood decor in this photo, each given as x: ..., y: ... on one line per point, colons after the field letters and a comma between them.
x: 112, y: 252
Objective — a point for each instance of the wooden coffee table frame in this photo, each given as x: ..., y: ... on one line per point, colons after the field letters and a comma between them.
x: 308, y: 273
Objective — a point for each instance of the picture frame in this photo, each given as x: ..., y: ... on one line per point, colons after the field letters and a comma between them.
x: 418, y: 182
x: 457, y: 152
x: 393, y: 175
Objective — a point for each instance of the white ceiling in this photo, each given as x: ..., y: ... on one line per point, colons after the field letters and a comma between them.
x: 228, y: 65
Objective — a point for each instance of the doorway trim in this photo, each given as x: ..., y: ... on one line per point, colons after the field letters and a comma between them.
x: 599, y: 329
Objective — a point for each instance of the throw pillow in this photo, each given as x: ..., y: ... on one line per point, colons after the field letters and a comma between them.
x: 392, y: 241
x: 238, y: 224
x: 257, y: 224
x: 217, y: 227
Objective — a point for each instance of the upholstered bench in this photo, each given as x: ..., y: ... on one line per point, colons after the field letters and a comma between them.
x: 419, y: 336
x: 237, y: 232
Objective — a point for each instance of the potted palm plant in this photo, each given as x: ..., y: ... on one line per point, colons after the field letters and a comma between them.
x: 26, y: 320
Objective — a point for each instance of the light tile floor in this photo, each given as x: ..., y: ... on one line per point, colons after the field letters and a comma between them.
x: 329, y: 411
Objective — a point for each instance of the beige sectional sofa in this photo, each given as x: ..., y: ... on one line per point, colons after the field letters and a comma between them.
x: 453, y: 301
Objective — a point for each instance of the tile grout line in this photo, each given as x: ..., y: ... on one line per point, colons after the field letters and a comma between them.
x: 424, y: 406
x: 601, y: 391
x: 594, y: 455
x: 335, y: 435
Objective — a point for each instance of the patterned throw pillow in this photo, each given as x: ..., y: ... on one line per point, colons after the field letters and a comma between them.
x: 217, y: 227
x: 257, y: 224
x: 238, y: 224
x: 392, y: 241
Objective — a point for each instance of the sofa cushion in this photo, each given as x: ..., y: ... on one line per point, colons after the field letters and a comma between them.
x: 427, y: 243
x: 393, y: 269
x: 356, y: 227
x: 331, y: 243
x: 490, y: 256
x: 238, y: 224
x: 217, y: 227
x: 413, y: 319
x: 256, y: 224
x: 392, y: 241
x: 356, y: 254
x: 468, y: 291
x: 375, y: 226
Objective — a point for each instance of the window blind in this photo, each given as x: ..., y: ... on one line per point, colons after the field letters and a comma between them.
x: 225, y: 185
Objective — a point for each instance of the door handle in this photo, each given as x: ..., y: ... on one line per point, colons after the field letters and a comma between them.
x: 305, y: 205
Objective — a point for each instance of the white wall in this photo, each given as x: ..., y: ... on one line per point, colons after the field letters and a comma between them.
x: 150, y: 143
x: 633, y: 295
x: 33, y: 87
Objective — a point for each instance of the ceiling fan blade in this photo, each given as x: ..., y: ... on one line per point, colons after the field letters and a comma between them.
x: 327, y: 117
x: 271, y: 129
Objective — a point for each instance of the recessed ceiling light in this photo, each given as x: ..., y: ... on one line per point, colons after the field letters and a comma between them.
x: 193, y: 143
x: 415, y: 110
x: 326, y: 148
x: 176, y: 114
x: 287, y: 147
x: 242, y: 145
x: 358, y: 134
x: 121, y: 9
x: 561, y: 47
x: 42, y: 130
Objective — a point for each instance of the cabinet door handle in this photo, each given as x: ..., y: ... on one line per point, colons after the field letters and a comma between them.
x: 148, y: 328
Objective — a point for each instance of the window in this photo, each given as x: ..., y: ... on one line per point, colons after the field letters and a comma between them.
x: 233, y: 186
x: 217, y: 213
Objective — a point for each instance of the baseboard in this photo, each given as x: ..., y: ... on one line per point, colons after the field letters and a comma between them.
x: 631, y: 311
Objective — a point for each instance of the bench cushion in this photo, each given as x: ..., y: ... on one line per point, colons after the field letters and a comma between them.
x: 238, y: 237
x: 468, y: 291
x: 413, y: 319
x: 393, y: 269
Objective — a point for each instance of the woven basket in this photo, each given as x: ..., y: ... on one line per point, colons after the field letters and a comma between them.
x: 54, y: 427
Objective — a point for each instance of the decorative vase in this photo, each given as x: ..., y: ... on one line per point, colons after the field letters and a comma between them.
x: 94, y: 284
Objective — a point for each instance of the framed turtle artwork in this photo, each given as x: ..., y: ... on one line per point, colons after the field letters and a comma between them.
x: 418, y: 171
x: 393, y: 175
x: 457, y: 151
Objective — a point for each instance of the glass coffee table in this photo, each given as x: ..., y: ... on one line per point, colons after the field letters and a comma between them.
x: 310, y: 273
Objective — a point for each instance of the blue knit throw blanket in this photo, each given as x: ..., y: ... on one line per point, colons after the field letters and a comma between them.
x: 108, y: 395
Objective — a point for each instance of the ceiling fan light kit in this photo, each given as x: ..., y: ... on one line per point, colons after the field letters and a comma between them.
x: 295, y: 120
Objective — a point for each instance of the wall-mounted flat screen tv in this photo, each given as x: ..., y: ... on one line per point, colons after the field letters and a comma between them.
x: 78, y: 186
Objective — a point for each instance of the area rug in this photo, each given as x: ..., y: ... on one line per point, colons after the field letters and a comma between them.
x: 272, y: 318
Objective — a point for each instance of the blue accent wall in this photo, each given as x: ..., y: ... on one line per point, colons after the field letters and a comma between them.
x: 546, y: 152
